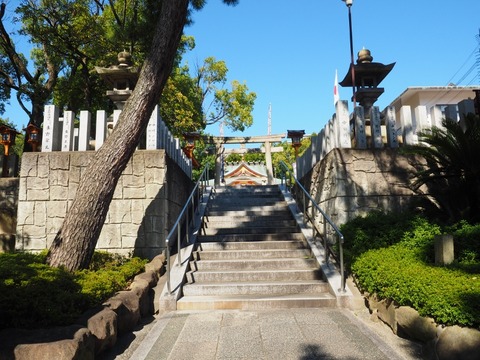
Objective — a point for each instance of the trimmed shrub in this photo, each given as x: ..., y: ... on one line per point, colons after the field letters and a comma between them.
x: 35, y: 295
x: 403, y: 270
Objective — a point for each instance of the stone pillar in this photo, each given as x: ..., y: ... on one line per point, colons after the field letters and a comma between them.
x: 101, y: 128
x: 444, y: 254
x: 343, y: 139
x: 219, y: 149
x: 51, y: 129
x: 116, y: 115
x: 391, y: 127
x: 360, y: 134
x: 153, y: 130
x: 422, y: 121
x: 67, y: 133
x: 437, y: 116
x: 84, y: 131
x: 375, y: 128
x: 268, y: 162
x: 409, y: 136
x: 451, y: 112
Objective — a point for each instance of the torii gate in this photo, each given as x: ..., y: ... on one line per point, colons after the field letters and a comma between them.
x: 220, y: 141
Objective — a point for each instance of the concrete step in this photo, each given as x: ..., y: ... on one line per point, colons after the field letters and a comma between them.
x: 254, y: 223
x: 251, y: 245
x: 250, y: 210
x: 249, y: 230
x: 273, y: 189
x: 256, y: 288
x: 240, y: 213
x: 251, y: 254
x: 257, y: 264
x: 253, y: 275
x: 252, y: 237
x: 256, y: 302
x: 280, y: 217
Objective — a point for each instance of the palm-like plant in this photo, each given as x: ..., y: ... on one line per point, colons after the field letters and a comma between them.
x: 452, y: 169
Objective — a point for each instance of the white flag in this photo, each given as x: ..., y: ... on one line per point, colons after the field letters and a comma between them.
x: 336, y: 96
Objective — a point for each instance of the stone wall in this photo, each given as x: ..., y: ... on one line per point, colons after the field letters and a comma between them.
x: 146, y: 202
x: 352, y: 182
x: 8, y: 212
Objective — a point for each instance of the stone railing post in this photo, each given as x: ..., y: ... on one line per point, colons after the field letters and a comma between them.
x: 343, y: 138
x: 51, y: 129
x: 360, y: 133
x: 154, y: 130
x: 101, y: 128
x: 409, y: 135
x: 376, y: 128
x: 84, y: 131
x: 68, y: 130
x: 391, y: 127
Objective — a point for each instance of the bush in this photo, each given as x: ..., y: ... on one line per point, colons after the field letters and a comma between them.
x: 402, y: 269
x: 33, y: 294
x: 378, y: 230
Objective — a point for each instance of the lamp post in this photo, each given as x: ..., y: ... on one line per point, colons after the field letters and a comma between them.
x: 190, y: 138
x: 349, y: 4
x: 33, y: 136
x: 296, y: 137
x: 7, y: 139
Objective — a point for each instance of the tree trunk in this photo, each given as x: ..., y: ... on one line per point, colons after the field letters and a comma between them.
x: 75, y: 243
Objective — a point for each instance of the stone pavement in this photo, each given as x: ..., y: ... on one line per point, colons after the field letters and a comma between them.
x: 300, y: 334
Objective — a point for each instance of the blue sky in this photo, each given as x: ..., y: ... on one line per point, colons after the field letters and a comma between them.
x: 287, y: 51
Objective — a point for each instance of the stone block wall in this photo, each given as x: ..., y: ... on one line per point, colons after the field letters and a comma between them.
x: 146, y: 202
x: 8, y: 212
x: 352, y: 182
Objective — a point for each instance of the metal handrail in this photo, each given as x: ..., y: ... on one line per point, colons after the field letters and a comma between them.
x: 325, y: 216
x: 195, y: 194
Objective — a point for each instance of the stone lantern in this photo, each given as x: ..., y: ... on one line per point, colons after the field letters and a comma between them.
x: 296, y: 137
x: 368, y: 75
x: 33, y: 136
x: 7, y: 139
x: 122, y: 78
x: 190, y: 138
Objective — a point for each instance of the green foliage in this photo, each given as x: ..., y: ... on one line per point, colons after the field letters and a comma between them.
x: 33, y: 294
x: 449, y: 296
x: 394, y: 259
x: 452, y: 170
x: 378, y: 230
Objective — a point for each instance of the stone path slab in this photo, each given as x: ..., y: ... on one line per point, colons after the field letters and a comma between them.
x: 288, y: 334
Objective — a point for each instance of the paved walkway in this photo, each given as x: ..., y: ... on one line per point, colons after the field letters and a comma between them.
x: 296, y: 334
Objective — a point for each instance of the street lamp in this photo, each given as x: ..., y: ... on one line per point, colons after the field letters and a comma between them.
x: 349, y: 4
x: 296, y: 137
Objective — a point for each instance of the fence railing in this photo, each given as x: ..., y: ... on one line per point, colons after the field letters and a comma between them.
x: 305, y: 198
x: 376, y: 129
x: 186, y: 218
x: 61, y: 134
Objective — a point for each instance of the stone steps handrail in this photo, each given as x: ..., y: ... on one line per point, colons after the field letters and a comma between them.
x: 311, y: 219
x: 194, y: 201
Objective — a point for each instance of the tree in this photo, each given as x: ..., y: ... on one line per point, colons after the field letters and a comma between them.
x: 192, y: 102
x: 452, y: 169
x: 75, y: 242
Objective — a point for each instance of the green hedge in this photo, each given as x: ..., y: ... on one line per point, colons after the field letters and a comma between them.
x: 35, y: 295
x: 402, y: 269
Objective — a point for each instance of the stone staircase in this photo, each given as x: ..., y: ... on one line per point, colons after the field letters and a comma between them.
x: 252, y: 255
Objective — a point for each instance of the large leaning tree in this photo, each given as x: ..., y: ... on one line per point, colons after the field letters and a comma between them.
x: 75, y: 242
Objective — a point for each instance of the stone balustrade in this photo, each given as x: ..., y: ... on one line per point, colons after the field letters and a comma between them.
x: 60, y: 134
